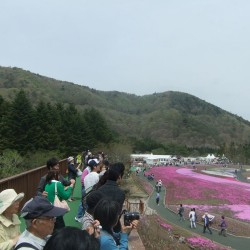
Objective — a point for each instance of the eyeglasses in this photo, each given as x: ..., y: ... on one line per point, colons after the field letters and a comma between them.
x: 47, y: 218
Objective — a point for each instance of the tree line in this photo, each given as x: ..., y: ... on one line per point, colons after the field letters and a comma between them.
x: 29, y: 134
x: 27, y: 128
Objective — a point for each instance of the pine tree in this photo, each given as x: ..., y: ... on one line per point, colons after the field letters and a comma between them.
x: 19, y: 124
x: 98, y: 126
x: 45, y: 126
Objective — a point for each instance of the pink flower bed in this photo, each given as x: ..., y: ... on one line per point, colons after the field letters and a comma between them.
x: 166, y: 226
x: 188, y: 187
x: 201, y: 243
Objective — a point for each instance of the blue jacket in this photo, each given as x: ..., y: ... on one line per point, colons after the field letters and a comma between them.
x: 206, y: 220
x: 108, y: 242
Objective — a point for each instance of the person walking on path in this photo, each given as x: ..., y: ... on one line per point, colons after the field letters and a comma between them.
x: 159, y: 185
x: 192, y: 218
x: 206, y: 224
x: 181, y: 212
x: 157, y: 198
x: 195, y: 215
x: 223, y: 226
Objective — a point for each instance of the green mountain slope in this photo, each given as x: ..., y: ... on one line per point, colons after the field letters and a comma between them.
x: 165, y: 117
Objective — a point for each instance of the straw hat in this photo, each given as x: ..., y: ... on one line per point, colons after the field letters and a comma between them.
x: 8, y: 197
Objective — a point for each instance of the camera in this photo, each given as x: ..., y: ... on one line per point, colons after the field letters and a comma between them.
x: 130, y: 216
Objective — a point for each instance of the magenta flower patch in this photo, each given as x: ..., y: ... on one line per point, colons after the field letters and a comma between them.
x: 202, y: 243
x: 166, y: 226
x: 188, y: 187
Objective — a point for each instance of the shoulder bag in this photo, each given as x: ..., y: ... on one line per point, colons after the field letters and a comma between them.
x: 58, y: 203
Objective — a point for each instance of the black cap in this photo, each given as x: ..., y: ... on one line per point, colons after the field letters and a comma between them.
x: 40, y: 206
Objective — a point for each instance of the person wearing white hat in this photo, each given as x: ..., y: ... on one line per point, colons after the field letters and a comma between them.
x: 9, y: 221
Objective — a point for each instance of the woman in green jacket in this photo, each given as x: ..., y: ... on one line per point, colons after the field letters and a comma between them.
x: 63, y: 193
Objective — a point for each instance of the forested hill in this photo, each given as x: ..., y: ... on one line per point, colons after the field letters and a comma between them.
x: 164, y: 117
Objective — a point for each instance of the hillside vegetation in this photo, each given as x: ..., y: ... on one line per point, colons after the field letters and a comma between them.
x: 169, y: 117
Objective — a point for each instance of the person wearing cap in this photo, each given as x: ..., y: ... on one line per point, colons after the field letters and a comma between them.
x: 9, y: 222
x: 93, y: 177
x: 72, y: 173
x: 39, y: 215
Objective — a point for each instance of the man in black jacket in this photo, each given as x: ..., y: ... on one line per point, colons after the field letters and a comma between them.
x: 111, y: 189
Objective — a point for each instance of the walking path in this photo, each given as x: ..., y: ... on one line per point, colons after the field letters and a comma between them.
x: 237, y: 243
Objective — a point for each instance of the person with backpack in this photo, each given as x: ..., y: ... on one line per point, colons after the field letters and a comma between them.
x: 206, y: 224
x: 223, y: 226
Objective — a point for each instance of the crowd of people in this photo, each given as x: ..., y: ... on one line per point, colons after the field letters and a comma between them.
x: 99, y: 211
x: 207, y: 220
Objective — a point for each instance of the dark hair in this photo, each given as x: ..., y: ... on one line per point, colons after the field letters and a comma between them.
x: 52, y: 162
x: 92, y: 199
x: 222, y: 217
x: 118, y: 167
x: 72, y: 238
x: 52, y: 175
x: 107, y: 212
x: 108, y: 175
x: 106, y: 163
x: 112, y: 175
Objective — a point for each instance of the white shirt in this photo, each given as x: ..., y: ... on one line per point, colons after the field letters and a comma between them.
x: 192, y: 214
x: 90, y: 180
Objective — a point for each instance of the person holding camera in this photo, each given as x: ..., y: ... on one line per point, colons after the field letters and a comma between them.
x: 107, y: 212
x: 111, y: 187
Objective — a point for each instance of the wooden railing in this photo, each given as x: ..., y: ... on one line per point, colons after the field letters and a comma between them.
x: 28, y: 181
x: 134, y: 206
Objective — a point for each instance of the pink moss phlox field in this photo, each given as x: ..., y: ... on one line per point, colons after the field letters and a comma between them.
x: 202, y: 243
x: 166, y: 226
x: 184, y: 184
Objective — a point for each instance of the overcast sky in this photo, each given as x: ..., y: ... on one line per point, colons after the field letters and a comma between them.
x: 200, y: 47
